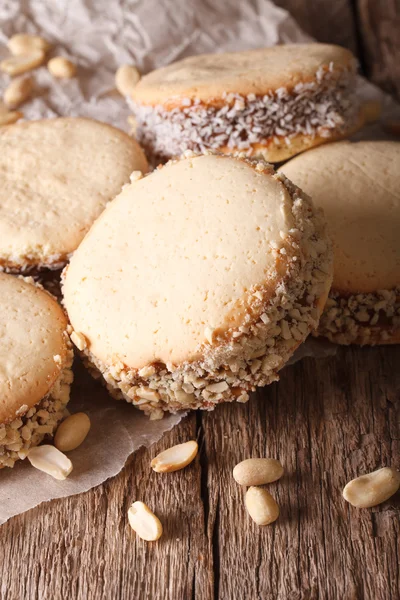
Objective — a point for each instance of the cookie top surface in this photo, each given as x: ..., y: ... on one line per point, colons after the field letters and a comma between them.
x: 176, y: 253
x: 209, y: 76
x: 32, y: 327
x: 358, y: 187
x: 56, y: 177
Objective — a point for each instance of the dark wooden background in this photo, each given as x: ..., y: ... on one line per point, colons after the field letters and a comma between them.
x: 328, y: 420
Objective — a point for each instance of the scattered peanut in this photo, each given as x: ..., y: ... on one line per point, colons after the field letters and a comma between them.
x: 50, y: 460
x: 257, y: 471
x: 18, y: 91
x: 24, y: 43
x: 144, y: 522
x: 72, y: 432
x: 261, y: 506
x: 372, y: 111
x: 175, y: 458
x: 372, y: 489
x: 7, y: 118
x: 16, y: 65
x: 126, y: 78
x: 61, y: 67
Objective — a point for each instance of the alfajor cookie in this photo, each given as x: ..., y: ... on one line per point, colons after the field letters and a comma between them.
x: 358, y: 187
x: 271, y: 103
x: 56, y: 177
x: 197, y: 283
x: 35, y: 375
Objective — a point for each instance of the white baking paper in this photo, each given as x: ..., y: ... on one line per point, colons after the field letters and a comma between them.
x: 99, y: 36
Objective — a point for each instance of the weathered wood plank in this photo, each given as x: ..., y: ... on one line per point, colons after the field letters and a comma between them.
x: 329, y: 22
x: 379, y: 25
x: 83, y: 548
x: 328, y: 421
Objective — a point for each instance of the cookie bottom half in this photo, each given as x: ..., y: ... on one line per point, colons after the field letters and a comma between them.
x: 31, y: 427
x: 363, y: 319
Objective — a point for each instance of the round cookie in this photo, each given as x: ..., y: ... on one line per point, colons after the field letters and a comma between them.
x: 197, y: 283
x: 36, y: 358
x: 358, y: 187
x: 56, y: 177
x: 271, y: 103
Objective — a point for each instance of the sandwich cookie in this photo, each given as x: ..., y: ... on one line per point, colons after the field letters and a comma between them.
x: 271, y: 103
x: 197, y: 283
x: 56, y: 177
x: 358, y: 187
x: 35, y: 366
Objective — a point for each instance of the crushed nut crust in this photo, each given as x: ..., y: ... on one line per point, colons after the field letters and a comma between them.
x: 365, y: 319
x: 324, y: 107
x: 276, y: 322
x: 29, y: 429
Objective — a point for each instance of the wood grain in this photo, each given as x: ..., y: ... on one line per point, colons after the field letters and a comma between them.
x: 379, y: 26
x: 328, y: 22
x: 327, y: 420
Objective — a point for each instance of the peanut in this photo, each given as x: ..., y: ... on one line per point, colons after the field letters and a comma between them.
x: 175, y: 458
x: 144, y: 522
x: 126, y: 78
x: 48, y: 459
x: 16, y: 65
x: 257, y: 471
x: 24, y: 43
x: 18, y: 91
x: 72, y: 432
x: 372, y: 489
x: 261, y: 506
x: 61, y: 67
x: 7, y: 118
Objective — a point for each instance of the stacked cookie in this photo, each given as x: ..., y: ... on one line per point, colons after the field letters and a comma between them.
x: 271, y: 103
x: 198, y: 282
x: 56, y: 178
x: 36, y: 359
x: 357, y: 185
x: 195, y: 283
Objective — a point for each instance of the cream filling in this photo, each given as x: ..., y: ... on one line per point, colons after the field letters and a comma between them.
x: 319, y: 108
x: 361, y: 318
x: 29, y: 428
x: 249, y: 355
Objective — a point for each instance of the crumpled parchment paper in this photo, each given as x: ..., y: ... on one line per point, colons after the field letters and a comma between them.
x: 99, y: 36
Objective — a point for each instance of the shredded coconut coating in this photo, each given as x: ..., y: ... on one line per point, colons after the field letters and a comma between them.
x: 233, y: 364
x: 324, y: 107
x: 365, y: 319
x: 29, y: 428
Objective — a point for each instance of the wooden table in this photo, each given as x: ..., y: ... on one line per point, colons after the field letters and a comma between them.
x: 327, y: 420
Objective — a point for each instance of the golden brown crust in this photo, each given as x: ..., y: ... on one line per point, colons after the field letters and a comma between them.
x: 278, y: 316
x: 207, y: 77
x: 55, y: 184
x: 274, y: 125
x: 34, y: 344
